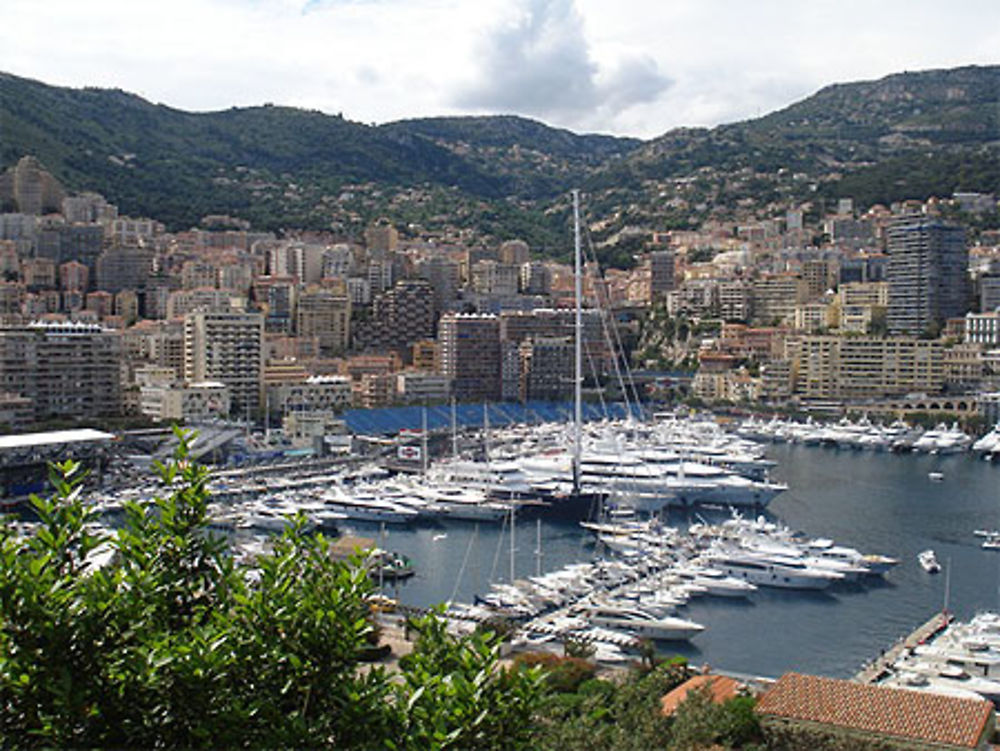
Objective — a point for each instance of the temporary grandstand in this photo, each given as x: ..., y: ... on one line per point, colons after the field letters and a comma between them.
x: 391, y: 420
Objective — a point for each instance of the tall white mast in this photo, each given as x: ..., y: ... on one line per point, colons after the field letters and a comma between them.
x: 578, y: 359
x: 423, y: 440
x: 454, y: 430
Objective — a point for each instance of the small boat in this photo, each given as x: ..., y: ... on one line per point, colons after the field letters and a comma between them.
x: 929, y: 561
x: 992, y: 542
x: 388, y: 565
x: 935, y: 476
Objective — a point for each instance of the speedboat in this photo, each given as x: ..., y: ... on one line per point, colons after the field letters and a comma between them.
x: 929, y: 561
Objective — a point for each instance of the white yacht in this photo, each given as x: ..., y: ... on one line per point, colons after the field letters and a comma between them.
x: 913, y: 681
x: 642, y: 623
x: 650, y: 487
x: 989, y: 442
x: 951, y: 675
x: 765, y: 571
x: 368, y: 507
x: 715, y: 581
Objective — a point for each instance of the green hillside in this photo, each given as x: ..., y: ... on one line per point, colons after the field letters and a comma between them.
x: 909, y: 135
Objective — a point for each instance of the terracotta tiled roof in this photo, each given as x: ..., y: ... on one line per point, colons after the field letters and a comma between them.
x: 720, y: 687
x: 877, y: 709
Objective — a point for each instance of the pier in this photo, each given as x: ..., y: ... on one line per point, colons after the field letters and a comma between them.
x: 879, y: 667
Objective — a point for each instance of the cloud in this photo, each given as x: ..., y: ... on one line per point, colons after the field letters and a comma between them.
x: 541, y: 65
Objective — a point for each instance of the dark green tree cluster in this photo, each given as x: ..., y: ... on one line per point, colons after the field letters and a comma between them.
x: 623, y: 713
x: 172, y: 644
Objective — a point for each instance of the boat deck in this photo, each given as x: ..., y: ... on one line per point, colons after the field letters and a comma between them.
x: 879, y: 667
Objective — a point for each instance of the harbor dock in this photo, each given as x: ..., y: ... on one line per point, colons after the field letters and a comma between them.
x: 879, y: 667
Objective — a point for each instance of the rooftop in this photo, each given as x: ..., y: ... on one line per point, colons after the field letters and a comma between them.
x: 903, y: 714
x: 721, y: 688
x: 52, y: 438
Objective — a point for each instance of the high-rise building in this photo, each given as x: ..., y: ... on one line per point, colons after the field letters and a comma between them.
x: 546, y: 368
x: 124, y: 268
x: 68, y: 370
x: 227, y: 347
x: 400, y: 316
x: 514, y: 252
x: 536, y: 278
x: 74, y: 276
x: 31, y: 188
x: 199, y: 274
x: 928, y: 275
x: 661, y: 273
x: 71, y: 242
x: 325, y: 314
x: 39, y: 273
x: 495, y: 279
x: 775, y: 297
x: 444, y: 276
x: 470, y: 355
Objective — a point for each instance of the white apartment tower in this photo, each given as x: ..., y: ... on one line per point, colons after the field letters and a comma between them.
x: 227, y: 347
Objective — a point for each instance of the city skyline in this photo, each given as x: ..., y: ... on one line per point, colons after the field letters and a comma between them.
x: 638, y: 69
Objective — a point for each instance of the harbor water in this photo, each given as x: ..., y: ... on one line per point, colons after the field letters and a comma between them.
x: 876, y: 502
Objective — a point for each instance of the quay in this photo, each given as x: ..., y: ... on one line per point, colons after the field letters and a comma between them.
x: 879, y: 667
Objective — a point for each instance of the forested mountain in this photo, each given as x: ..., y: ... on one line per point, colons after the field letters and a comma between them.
x: 908, y: 135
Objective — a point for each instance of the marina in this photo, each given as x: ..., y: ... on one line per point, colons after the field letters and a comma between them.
x: 829, y: 561
x: 874, y: 501
x: 454, y: 535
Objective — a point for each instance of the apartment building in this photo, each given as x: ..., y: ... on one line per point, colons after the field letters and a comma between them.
x: 470, y: 355
x: 67, y: 370
x: 400, y: 316
x: 775, y: 297
x: 928, y: 274
x: 422, y: 387
x: 862, y: 367
x: 661, y: 273
x: 227, y: 347
x: 546, y: 368
x: 325, y: 314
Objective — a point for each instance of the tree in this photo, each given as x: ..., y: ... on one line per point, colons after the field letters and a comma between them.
x: 456, y: 697
x: 172, y: 644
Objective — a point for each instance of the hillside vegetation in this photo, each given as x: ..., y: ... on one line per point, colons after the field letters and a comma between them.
x: 909, y: 135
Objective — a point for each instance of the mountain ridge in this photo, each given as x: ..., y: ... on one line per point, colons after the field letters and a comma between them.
x: 285, y: 167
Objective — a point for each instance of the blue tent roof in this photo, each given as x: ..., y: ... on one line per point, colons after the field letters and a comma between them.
x: 391, y: 420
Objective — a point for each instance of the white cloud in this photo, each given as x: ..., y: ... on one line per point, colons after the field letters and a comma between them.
x: 636, y: 67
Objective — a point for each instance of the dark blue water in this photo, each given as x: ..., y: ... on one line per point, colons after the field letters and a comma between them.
x: 881, y: 503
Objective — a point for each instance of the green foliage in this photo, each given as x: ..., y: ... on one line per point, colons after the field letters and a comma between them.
x: 611, y: 715
x: 455, y: 697
x: 919, y: 176
x: 908, y: 135
x: 699, y: 723
x: 172, y: 645
x: 563, y: 675
x: 580, y: 648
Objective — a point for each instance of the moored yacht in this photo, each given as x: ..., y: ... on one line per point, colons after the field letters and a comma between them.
x: 764, y: 571
x: 643, y: 623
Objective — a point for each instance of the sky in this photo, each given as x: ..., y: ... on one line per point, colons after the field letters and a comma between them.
x: 624, y: 67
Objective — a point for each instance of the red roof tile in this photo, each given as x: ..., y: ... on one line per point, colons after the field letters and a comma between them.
x: 877, y: 709
x: 720, y: 687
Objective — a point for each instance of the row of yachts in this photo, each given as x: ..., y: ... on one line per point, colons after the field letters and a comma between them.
x: 963, y: 660
x: 645, y: 466
x: 653, y: 570
x: 865, y: 434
